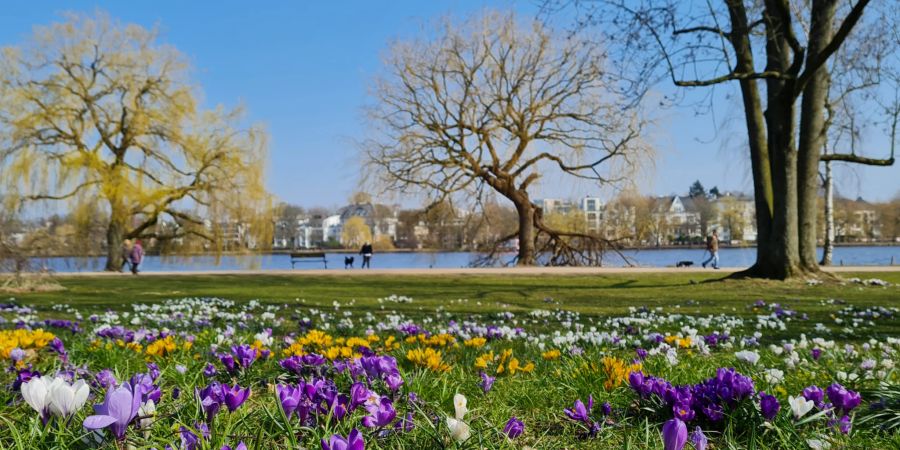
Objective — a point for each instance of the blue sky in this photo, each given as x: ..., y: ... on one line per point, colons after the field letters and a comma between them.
x: 302, y: 69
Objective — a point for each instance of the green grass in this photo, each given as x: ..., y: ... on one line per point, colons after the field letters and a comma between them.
x: 604, y: 295
x: 590, y: 294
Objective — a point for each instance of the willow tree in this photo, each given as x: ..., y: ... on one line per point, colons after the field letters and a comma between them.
x: 493, y: 105
x: 98, y: 112
x: 777, y: 53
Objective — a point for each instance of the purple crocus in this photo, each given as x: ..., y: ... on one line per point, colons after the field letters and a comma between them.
x: 699, y: 439
x: 211, y: 399
x: 514, y: 428
x: 380, y: 415
x: 228, y: 361
x: 769, y: 406
x: 674, y: 433
x: 683, y: 411
x: 606, y: 409
x: 209, y: 371
x: 844, y: 424
x: 234, y: 396
x: 579, y: 412
x: 106, y: 379
x: 289, y: 396
x: 487, y: 382
x: 816, y: 353
x: 359, y: 395
x: 354, y: 441
x: 814, y: 394
x: 244, y: 354
x: 118, y: 409
x: 241, y: 446
x: 641, y: 353
x: 843, y: 399
x: 190, y: 440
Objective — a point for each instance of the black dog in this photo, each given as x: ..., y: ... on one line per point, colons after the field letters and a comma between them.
x: 348, y: 262
x: 684, y: 264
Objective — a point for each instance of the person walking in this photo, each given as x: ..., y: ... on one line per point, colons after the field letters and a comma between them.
x: 366, y: 252
x: 126, y: 254
x: 136, y: 256
x: 712, y: 246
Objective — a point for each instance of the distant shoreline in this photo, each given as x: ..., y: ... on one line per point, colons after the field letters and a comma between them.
x: 427, y: 250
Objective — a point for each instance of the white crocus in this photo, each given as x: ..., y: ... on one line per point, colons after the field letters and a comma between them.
x: 748, y: 356
x: 459, y: 430
x: 36, y: 393
x: 66, y: 399
x: 774, y: 376
x: 459, y: 405
x: 800, y: 406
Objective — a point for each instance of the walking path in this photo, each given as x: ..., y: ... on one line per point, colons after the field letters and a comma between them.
x: 473, y: 271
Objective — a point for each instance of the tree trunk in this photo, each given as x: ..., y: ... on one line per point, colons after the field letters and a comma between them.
x: 115, y: 236
x: 812, y: 135
x: 526, y: 212
x: 829, y: 216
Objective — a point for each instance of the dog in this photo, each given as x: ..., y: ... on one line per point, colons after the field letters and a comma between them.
x: 684, y: 264
x: 348, y: 262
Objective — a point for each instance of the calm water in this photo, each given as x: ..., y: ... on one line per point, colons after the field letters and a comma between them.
x: 728, y: 257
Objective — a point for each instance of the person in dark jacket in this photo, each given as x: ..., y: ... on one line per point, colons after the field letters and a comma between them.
x: 366, y: 252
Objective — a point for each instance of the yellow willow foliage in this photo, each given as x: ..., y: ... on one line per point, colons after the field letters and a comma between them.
x: 94, y: 111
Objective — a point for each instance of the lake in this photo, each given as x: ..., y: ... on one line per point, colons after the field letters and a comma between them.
x: 728, y: 257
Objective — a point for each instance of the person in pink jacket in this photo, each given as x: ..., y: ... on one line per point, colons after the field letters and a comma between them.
x: 136, y: 256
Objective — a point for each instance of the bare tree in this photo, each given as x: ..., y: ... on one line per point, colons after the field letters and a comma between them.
x: 94, y: 112
x: 778, y: 56
x: 494, y: 105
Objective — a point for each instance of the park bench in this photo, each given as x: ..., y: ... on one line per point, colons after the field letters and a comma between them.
x: 300, y: 257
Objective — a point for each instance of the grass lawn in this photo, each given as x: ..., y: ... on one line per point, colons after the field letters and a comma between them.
x: 604, y: 295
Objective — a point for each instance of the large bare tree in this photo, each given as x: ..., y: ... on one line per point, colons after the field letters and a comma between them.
x: 777, y: 53
x: 96, y: 112
x: 494, y: 105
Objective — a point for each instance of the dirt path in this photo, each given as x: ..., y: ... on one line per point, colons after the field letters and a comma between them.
x: 471, y: 271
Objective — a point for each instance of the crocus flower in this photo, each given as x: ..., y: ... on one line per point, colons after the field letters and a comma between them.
x: 36, y: 393
x: 459, y: 430
x: 359, y: 395
x: 844, y: 424
x: 748, y: 356
x: 106, y: 379
x: 234, y: 396
x: 459, y: 406
x: 514, y: 428
x: 66, y: 399
x: 240, y: 446
x: 800, y: 406
x: 816, y: 353
x: 815, y: 394
x: 118, y: 409
x: 580, y: 412
x: 354, y: 441
x: 209, y: 371
x: 211, y: 399
x: 699, y: 439
x: 674, y: 433
x: 843, y: 399
x: 380, y: 415
x: 17, y: 354
x: 244, y: 355
x: 683, y: 411
x: 487, y: 382
x: 289, y: 396
x: 769, y: 405
x: 606, y: 408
